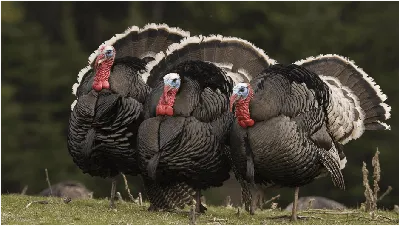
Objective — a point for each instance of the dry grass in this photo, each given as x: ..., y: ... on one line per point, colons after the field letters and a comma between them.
x: 95, y: 211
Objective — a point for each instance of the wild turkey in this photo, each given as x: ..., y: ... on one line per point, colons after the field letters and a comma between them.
x: 182, y: 142
x: 110, y: 93
x: 292, y: 121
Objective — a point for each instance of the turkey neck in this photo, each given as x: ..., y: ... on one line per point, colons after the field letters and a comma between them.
x: 103, y: 71
x: 242, y: 111
x: 166, y: 102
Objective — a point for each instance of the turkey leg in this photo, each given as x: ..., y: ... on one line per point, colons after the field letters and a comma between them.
x: 113, y: 190
x: 199, y: 208
x: 294, y: 208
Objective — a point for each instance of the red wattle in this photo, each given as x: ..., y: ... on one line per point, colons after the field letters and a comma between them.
x: 106, y: 85
x: 97, y: 86
x: 242, y: 111
x: 102, y: 73
x: 166, y: 102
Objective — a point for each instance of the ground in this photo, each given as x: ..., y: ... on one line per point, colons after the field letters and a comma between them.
x: 14, y: 210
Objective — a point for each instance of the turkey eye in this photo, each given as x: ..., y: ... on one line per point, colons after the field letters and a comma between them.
x: 241, y: 89
x: 174, y: 80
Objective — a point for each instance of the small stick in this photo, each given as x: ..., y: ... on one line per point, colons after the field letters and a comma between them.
x: 228, y: 201
x: 328, y: 212
x: 23, y: 192
x: 119, y: 197
x: 140, y: 199
x: 389, y: 189
x: 41, y: 202
x: 127, y: 188
x: 272, y: 199
x: 48, y: 182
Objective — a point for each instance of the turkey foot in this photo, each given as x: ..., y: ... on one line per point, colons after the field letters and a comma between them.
x: 113, y: 190
x: 294, y: 208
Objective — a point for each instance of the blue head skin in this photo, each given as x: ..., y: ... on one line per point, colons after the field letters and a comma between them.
x: 172, y: 81
x: 240, y: 92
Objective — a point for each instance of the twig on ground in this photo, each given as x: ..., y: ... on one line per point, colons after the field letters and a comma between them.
x: 140, y: 199
x: 228, y: 203
x: 127, y: 188
x: 23, y: 192
x: 272, y: 199
x: 328, y: 212
x: 389, y: 189
x: 40, y: 202
x: 48, y: 182
x: 238, y: 211
x: 219, y: 219
x: 119, y: 197
x: 313, y: 217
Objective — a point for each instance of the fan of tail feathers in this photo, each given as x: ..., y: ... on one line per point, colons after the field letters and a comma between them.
x: 239, y: 58
x: 142, y: 43
x: 348, y: 81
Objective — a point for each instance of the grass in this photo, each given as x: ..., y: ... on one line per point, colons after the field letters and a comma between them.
x: 95, y: 211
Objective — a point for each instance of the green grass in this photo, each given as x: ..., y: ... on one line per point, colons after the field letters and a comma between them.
x: 95, y: 211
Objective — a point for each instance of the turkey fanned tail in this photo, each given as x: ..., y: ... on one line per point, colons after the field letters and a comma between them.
x: 240, y: 59
x: 330, y: 159
x: 356, y: 103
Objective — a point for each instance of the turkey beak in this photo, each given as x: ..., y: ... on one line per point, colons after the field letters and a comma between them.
x: 232, y: 100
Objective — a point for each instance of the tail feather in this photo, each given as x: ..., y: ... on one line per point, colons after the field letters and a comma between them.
x: 354, y: 95
x: 239, y: 58
x: 167, y: 197
x: 136, y: 42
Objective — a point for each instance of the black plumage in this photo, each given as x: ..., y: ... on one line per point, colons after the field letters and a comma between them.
x: 301, y: 123
x: 188, y: 149
x: 103, y: 125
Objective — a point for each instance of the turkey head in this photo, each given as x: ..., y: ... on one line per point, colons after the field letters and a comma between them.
x: 242, y: 94
x: 165, y: 105
x: 102, y: 66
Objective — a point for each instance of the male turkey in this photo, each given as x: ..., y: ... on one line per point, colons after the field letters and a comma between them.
x: 293, y: 120
x: 110, y: 95
x: 182, y: 142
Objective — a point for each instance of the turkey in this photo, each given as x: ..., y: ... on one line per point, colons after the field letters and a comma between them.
x: 182, y: 142
x: 292, y: 122
x: 110, y: 96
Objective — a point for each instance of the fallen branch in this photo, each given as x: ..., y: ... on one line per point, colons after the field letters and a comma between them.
x: 127, y: 188
x: 328, y: 212
x: 40, y: 202
x: 272, y: 199
x: 48, y: 182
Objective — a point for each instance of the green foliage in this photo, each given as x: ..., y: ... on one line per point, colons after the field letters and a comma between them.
x: 92, y: 211
x: 46, y: 44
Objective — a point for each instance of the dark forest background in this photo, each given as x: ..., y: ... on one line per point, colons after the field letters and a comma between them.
x: 45, y: 44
